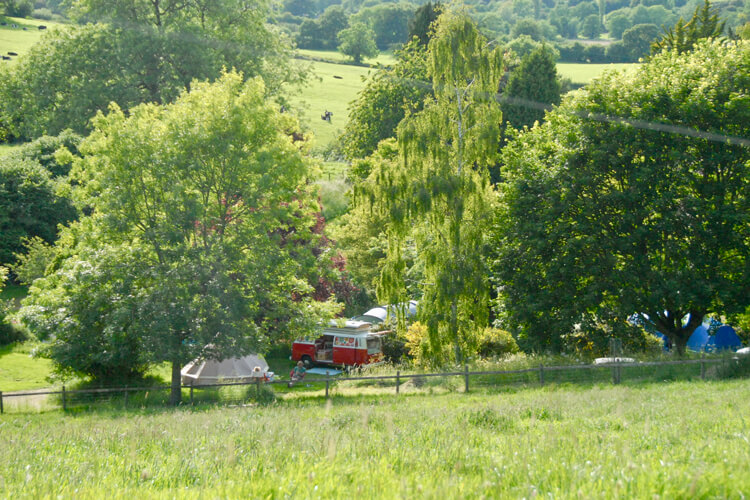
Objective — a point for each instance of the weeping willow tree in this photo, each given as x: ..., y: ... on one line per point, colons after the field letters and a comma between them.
x: 438, y: 194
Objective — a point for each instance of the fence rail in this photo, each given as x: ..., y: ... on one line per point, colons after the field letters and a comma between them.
x: 541, y: 372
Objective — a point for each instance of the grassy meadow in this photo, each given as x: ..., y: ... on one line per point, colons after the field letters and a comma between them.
x: 584, y: 73
x: 384, y: 58
x: 19, y: 41
x: 333, y: 87
x: 677, y: 440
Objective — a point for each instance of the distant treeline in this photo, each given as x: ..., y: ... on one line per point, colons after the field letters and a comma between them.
x: 615, y: 30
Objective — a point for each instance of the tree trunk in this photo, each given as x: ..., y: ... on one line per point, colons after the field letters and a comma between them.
x: 454, y: 331
x: 175, y: 396
x: 670, y: 324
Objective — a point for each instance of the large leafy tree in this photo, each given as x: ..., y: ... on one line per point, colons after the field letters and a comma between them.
x: 420, y: 25
x: 30, y: 205
x: 199, y: 240
x: 388, y: 96
x: 358, y: 42
x: 137, y: 52
x: 439, y: 191
x: 633, y: 197
x: 533, y: 87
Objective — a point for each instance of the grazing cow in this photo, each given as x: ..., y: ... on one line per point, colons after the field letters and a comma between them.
x: 42, y: 27
x: 12, y: 54
x: 26, y: 29
x: 338, y: 77
x: 326, y: 117
x: 3, y: 24
x: 6, y: 58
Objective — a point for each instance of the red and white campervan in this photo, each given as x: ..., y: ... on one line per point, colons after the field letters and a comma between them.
x: 351, y: 344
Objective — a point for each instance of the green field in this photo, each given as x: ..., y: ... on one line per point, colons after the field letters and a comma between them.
x: 19, y: 371
x: 584, y: 73
x: 678, y: 440
x: 19, y: 41
x: 326, y: 92
x: 384, y: 58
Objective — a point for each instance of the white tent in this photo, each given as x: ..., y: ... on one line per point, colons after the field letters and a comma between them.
x: 206, y: 372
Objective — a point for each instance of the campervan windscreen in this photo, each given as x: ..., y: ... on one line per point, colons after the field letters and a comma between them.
x: 373, y: 345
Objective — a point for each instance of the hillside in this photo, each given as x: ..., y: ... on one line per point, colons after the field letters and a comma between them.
x: 19, y: 40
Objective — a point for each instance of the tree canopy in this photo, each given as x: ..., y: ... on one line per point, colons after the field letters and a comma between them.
x: 631, y: 198
x: 199, y: 241
x: 439, y: 192
x: 137, y: 52
x: 358, y: 42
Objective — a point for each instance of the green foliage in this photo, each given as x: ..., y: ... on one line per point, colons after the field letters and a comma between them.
x: 438, y: 192
x: 389, y: 21
x: 591, y: 26
x: 495, y: 342
x: 358, y: 42
x: 9, y: 332
x: 323, y: 32
x: 33, y: 262
x: 617, y: 23
x: 388, y: 96
x: 141, y: 54
x: 29, y: 206
x: 200, y: 239
x: 645, y: 211
x: 637, y: 40
x: 533, y: 86
x: 421, y: 25
x: 43, y: 150
x: 705, y: 24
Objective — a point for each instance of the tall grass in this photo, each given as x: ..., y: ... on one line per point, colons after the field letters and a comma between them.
x: 680, y: 440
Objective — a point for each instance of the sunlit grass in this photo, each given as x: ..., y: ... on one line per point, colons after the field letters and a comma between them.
x: 584, y: 73
x: 19, y: 41
x: 334, y: 87
x: 20, y: 371
x: 679, y: 440
x: 384, y: 58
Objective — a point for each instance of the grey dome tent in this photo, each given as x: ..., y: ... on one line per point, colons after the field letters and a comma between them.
x: 207, y: 372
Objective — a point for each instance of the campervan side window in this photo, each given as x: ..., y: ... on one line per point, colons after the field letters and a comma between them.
x: 373, y: 345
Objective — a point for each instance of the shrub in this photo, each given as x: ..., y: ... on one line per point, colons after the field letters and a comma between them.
x: 496, y: 342
x: 43, y: 13
x: 394, y: 348
x: 10, y: 332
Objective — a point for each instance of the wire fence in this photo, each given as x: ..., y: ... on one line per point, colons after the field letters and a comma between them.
x: 259, y: 391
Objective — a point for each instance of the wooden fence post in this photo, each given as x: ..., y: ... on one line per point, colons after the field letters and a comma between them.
x: 65, y: 402
x: 541, y: 374
x: 466, y: 378
x: 398, y: 383
x: 328, y: 381
x: 1, y: 403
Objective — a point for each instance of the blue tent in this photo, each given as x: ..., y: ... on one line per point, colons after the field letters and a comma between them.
x: 699, y: 339
x: 725, y: 338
